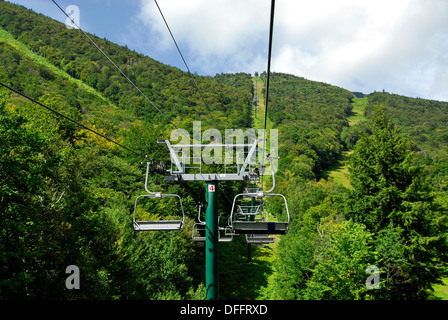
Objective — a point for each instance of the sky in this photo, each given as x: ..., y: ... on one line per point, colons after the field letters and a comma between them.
x: 399, y: 46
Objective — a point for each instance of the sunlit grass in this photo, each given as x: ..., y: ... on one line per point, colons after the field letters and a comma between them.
x: 340, y: 173
x: 441, y: 290
x: 359, y: 105
x: 6, y: 37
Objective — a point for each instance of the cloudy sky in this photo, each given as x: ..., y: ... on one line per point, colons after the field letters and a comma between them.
x: 400, y: 46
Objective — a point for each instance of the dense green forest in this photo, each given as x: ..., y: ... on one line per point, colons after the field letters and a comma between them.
x: 67, y: 196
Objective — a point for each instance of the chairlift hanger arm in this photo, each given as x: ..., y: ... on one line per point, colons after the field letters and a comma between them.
x: 250, y: 154
x: 273, y: 175
x: 173, y: 154
x: 180, y: 173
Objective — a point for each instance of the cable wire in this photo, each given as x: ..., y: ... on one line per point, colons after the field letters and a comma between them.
x: 186, y: 65
x: 175, y: 42
x: 271, y: 31
x: 70, y: 119
x: 113, y: 63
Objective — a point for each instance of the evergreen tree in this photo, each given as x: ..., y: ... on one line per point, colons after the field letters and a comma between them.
x: 391, y: 197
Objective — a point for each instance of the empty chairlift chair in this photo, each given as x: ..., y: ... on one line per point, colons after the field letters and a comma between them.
x: 225, y: 234
x: 158, y: 225
x: 259, y: 238
x: 198, y: 233
x: 259, y: 224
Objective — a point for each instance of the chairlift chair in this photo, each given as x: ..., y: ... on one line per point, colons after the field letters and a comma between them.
x: 198, y: 228
x: 198, y: 234
x: 157, y: 225
x: 260, y: 226
x: 259, y: 238
x: 225, y: 234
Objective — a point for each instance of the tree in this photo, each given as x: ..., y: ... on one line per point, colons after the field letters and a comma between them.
x: 342, y: 257
x: 383, y: 176
x: 47, y: 216
x: 393, y: 199
x: 20, y: 184
x: 294, y: 266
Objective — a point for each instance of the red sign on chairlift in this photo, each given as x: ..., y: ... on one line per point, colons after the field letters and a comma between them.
x: 211, y: 188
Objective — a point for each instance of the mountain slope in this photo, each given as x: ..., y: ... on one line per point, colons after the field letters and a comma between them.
x: 167, y: 87
x: 426, y: 123
x: 20, y: 67
x: 67, y: 197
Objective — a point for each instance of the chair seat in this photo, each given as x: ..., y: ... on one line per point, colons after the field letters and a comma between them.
x: 259, y: 239
x: 165, y: 225
x: 256, y: 227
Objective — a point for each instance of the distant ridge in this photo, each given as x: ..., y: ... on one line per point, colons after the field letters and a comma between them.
x: 358, y: 94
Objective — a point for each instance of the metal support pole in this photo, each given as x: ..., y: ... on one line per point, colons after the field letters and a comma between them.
x: 251, y: 218
x: 211, y: 241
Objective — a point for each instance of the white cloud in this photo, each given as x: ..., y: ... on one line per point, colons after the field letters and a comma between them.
x: 399, y: 45
x: 210, y: 33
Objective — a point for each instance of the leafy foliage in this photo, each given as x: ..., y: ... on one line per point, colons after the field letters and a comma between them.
x: 391, y: 194
x: 388, y: 219
x: 168, y: 88
x: 310, y: 117
x: 67, y: 196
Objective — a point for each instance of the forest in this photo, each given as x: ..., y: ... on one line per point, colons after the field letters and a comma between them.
x: 67, y: 195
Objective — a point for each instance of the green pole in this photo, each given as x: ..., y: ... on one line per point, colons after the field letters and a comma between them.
x: 211, y: 241
x: 250, y: 218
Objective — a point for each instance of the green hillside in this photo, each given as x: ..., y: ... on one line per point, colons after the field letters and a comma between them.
x: 67, y: 196
x: 70, y: 51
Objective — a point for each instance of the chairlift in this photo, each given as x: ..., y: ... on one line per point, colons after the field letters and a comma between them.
x: 260, y: 224
x: 259, y: 238
x: 225, y: 234
x: 198, y: 228
x: 157, y: 225
x: 198, y: 234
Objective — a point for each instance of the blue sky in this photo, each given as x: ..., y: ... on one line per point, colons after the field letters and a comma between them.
x: 400, y: 46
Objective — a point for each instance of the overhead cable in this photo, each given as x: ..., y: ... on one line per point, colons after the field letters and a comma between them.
x: 72, y: 120
x: 113, y: 63
x: 271, y: 31
x: 185, y: 62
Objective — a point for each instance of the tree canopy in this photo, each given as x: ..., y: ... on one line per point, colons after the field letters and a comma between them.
x: 67, y: 195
